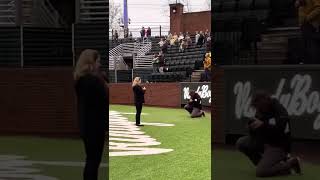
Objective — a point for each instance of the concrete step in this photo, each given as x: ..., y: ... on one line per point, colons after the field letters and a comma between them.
x: 271, y: 46
x: 271, y: 61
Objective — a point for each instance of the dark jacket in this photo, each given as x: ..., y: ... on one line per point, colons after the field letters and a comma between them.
x: 196, y: 101
x: 201, y: 39
x: 148, y: 32
x: 138, y: 94
x: 142, y: 32
x: 276, y: 128
x: 92, y: 104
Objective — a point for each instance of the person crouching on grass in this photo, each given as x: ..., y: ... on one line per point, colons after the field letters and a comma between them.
x: 194, y: 106
x: 268, y: 144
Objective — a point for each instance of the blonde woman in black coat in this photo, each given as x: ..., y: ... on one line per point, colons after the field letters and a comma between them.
x: 92, y: 102
x: 138, y: 91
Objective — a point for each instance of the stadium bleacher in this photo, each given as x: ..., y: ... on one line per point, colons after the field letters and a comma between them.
x: 241, y: 28
x: 180, y: 64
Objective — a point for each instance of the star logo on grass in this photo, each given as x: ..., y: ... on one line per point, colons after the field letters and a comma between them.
x: 126, y: 139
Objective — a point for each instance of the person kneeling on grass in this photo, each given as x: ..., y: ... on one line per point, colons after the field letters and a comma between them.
x: 194, y: 106
x: 268, y: 144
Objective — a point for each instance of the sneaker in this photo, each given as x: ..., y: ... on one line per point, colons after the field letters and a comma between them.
x: 139, y: 125
x: 296, y: 164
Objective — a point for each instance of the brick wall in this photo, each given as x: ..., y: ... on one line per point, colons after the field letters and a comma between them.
x: 176, y: 18
x: 197, y: 21
x: 157, y: 94
x: 218, y: 107
x: 37, y: 102
x: 188, y: 22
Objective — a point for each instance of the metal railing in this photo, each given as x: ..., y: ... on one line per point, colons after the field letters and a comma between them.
x: 7, y: 12
x: 92, y: 10
x: 138, y: 52
x: 40, y: 13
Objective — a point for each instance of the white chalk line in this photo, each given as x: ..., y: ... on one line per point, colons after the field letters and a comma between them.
x: 127, y: 139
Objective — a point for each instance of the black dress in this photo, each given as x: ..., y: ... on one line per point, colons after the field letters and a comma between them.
x: 92, y: 103
x: 138, y: 101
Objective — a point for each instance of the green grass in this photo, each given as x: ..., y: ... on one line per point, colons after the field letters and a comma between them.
x: 230, y: 165
x: 48, y: 149
x: 190, y: 139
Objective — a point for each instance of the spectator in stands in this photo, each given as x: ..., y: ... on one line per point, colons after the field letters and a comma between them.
x: 206, y: 35
x: 155, y: 63
x: 183, y: 45
x: 161, y: 61
x: 125, y: 32
x: 142, y: 33
x: 208, y: 44
x: 92, y: 104
x: 161, y: 42
x: 194, y: 106
x: 189, y: 40
x: 116, y: 35
x: 201, y: 39
x: 149, y: 32
x: 130, y: 35
x: 174, y: 39
x: 207, y: 67
x: 309, y: 19
x: 181, y: 38
x: 169, y: 37
x: 164, y: 48
x: 197, y: 37
x: 138, y: 91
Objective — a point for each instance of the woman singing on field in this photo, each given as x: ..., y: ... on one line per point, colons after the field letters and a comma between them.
x: 138, y: 91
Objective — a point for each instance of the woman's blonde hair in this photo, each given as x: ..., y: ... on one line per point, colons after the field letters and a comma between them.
x: 136, y: 81
x: 86, y: 63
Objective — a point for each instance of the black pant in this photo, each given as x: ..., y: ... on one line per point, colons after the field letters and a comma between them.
x: 94, y: 145
x: 311, y: 44
x: 189, y: 108
x: 138, y: 112
x: 251, y: 148
x: 207, y: 73
x: 270, y: 160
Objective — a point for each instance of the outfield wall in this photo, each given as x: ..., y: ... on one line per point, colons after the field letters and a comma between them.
x: 37, y: 102
x: 161, y: 94
x: 296, y: 86
x: 42, y: 102
x: 157, y: 94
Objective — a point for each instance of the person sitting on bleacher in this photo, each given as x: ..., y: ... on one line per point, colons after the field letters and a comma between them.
x: 208, y: 44
x: 194, y: 106
x: 181, y: 38
x: 155, y: 63
x: 161, y: 42
x: 183, y: 45
x: 164, y: 47
x: 169, y: 37
x: 116, y: 36
x: 161, y: 61
x: 197, y: 37
x: 174, y: 39
x: 189, y: 40
x: 201, y: 39
x: 206, y: 35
